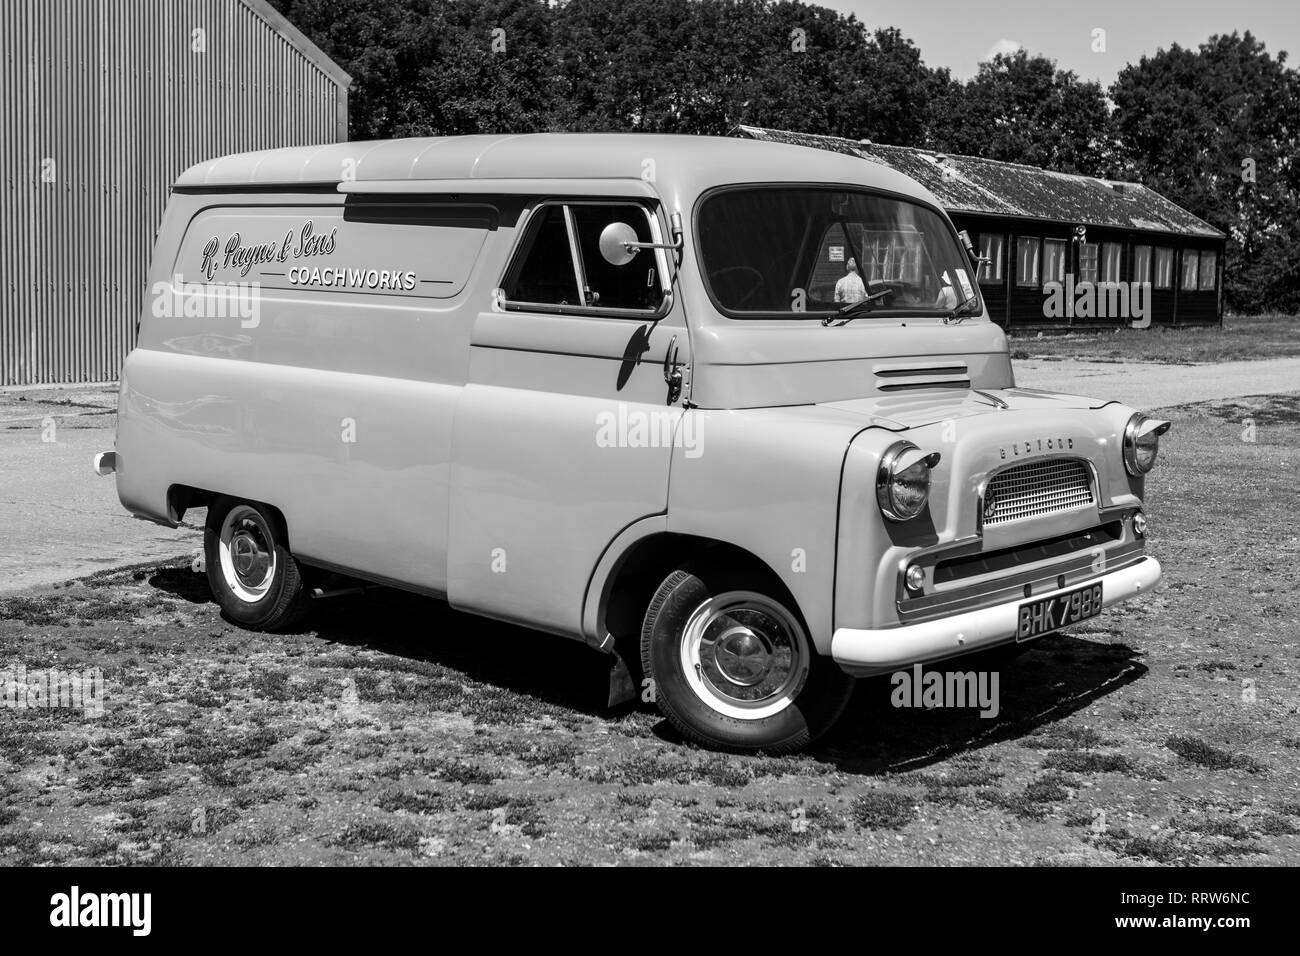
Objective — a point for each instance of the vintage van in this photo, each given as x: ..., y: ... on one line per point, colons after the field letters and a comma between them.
x: 730, y: 411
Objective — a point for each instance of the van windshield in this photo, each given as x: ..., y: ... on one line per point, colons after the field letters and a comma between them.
x: 778, y: 250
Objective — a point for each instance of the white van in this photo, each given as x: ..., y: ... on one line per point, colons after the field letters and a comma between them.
x: 731, y: 411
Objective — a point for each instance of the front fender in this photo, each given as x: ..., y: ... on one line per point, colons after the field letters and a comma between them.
x: 768, y: 481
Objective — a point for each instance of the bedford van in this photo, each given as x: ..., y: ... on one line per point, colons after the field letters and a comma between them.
x: 732, y: 412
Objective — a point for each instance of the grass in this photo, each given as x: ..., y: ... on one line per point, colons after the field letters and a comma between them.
x: 1241, y: 338
x: 884, y: 810
x: 1197, y: 751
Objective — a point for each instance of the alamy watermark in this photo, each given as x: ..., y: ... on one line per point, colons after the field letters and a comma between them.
x: 931, y: 689
x: 21, y: 689
x: 178, y: 299
x: 1130, y: 301
x: 644, y: 428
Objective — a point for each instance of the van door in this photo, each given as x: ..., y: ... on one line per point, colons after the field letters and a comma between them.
x: 564, y: 431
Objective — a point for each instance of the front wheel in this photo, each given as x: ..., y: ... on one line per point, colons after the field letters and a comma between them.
x: 733, y: 668
x: 253, y: 576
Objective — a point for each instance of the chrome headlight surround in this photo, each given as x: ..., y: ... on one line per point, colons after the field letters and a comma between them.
x: 903, y: 480
x: 1142, y: 443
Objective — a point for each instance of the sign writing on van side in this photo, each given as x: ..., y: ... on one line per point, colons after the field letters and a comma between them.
x: 236, y: 254
x: 301, y: 243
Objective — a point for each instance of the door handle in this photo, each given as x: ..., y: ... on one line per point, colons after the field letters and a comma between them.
x: 672, y: 371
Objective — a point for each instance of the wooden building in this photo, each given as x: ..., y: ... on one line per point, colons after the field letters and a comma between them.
x: 1102, y: 241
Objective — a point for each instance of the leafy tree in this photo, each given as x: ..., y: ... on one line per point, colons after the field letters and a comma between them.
x: 431, y: 67
x: 1217, y: 130
x: 1020, y: 108
x: 689, y: 66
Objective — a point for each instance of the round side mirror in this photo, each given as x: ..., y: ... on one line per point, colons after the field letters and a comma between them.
x: 614, y: 243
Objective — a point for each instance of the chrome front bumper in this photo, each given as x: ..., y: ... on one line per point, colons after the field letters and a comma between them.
x: 865, y: 652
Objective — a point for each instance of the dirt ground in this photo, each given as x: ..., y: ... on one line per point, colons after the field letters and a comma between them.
x: 393, y: 731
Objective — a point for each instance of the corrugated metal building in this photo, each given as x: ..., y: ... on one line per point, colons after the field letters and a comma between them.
x: 1038, y: 226
x: 106, y: 103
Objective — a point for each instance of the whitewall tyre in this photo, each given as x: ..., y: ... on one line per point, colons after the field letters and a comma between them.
x: 733, y: 667
x: 253, y: 576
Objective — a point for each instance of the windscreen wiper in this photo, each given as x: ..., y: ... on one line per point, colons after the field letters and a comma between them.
x: 848, y: 312
x: 961, y: 312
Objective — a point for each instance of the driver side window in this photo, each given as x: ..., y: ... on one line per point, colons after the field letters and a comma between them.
x: 559, y: 266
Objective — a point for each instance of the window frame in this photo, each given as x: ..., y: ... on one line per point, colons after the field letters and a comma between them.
x: 1196, y: 274
x: 1214, y: 269
x: 1037, y: 280
x: 1149, y: 278
x: 1064, y: 245
x: 997, y: 264
x: 1103, y: 260
x: 1083, y: 246
x: 523, y: 245
x: 1155, y: 268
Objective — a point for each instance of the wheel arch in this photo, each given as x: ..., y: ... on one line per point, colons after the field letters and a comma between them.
x: 631, y: 571
x: 181, y: 498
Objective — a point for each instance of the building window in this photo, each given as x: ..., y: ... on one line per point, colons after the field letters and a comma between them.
x: 1141, y: 263
x: 1190, y: 269
x: 1087, y: 262
x: 1027, y: 260
x: 1208, y: 262
x: 1164, y: 269
x: 992, y: 248
x: 1054, y: 260
x: 1112, y: 254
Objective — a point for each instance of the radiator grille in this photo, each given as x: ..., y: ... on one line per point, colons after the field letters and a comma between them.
x: 1037, y: 488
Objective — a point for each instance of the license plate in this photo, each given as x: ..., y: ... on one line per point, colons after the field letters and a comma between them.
x: 1048, y: 614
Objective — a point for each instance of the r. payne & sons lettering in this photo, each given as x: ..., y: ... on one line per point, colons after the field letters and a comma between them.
x: 236, y: 255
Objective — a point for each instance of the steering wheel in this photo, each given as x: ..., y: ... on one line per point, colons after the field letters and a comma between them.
x: 911, y: 293
x: 756, y: 283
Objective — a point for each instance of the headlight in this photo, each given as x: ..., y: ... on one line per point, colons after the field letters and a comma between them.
x: 1142, y: 443
x: 903, y: 481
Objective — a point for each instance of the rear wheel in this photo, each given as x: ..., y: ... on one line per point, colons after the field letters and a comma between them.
x: 253, y: 576
x: 733, y: 667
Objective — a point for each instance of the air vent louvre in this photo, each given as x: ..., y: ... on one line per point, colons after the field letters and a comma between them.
x: 899, y: 378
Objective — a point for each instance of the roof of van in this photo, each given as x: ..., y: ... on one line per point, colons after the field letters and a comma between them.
x: 690, y: 162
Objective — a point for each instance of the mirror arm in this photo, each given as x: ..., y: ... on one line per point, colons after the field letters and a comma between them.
x: 676, y: 245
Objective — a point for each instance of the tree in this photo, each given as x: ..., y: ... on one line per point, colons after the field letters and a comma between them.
x: 1217, y: 130
x: 430, y: 67
x: 1022, y: 109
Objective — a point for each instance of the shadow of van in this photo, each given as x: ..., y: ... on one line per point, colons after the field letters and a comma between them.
x: 531, y: 672
x: 884, y: 731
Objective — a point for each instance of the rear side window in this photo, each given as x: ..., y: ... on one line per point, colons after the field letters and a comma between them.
x: 559, y: 265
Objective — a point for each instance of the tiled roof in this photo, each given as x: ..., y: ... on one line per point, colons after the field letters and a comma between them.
x: 969, y: 184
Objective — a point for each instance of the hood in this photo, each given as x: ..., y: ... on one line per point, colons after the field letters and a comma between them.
x: 769, y: 363
x: 901, y: 411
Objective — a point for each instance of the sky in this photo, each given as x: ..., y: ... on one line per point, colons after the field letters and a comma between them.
x: 959, y: 34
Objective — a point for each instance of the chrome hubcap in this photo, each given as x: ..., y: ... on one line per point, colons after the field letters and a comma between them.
x: 745, y: 654
x: 250, y: 556
x: 247, y: 552
x: 742, y: 656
